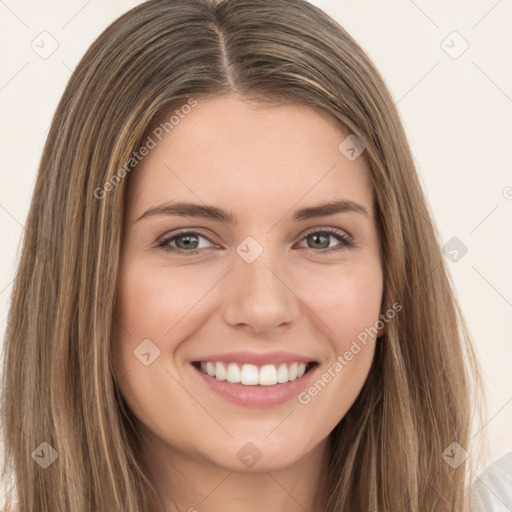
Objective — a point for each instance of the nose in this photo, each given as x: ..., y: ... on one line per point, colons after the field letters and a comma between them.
x: 261, y: 297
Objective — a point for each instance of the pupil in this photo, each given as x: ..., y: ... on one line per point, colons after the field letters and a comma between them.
x: 187, y: 238
x: 315, y: 237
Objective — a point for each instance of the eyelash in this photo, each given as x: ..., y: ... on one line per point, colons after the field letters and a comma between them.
x: 346, y: 242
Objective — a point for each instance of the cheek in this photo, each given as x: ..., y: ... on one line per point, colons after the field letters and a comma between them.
x: 346, y: 300
x: 152, y: 301
x: 348, y: 304
x: 144, y: 310
x: 149, y: 306
x: 161, y: 305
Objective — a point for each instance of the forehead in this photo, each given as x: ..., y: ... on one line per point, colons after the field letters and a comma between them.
x: 226, y: 150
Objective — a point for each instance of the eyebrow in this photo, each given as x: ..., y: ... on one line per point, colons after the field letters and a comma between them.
x: 214, y: 213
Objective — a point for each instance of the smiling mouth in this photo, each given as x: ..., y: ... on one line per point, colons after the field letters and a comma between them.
x: 253, y: 375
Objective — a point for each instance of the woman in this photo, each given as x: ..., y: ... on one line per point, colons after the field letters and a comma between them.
x: 178, y: 340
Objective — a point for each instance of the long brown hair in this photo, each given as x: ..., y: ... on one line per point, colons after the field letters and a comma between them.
x: 58, y: 383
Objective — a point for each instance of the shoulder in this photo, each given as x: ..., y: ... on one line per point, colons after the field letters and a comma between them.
x: 492, y: 488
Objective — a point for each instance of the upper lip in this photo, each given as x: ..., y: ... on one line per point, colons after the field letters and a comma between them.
x: 258, y: 359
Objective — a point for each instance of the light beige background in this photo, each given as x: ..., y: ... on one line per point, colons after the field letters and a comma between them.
x: 457, y: 110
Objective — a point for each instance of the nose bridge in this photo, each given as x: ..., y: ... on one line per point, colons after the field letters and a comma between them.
x: 260, y: 293
x: 257, y: 266
x: 259, y: 275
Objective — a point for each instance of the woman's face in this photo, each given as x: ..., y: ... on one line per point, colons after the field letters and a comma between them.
x: 227, y: 269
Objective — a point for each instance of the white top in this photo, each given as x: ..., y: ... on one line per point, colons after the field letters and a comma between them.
x: 492, y: 488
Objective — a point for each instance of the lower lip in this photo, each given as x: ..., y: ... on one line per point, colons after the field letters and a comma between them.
x: 257, y: 396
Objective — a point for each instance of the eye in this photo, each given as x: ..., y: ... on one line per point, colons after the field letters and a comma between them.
x: 321, y: 237
x: 186, y: 239
x: 188, y: 242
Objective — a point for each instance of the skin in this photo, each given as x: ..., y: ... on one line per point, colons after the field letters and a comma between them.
x: 261, y: 164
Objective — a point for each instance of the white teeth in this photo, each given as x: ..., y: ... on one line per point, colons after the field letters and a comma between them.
x: 292, y: 371
x: 210, y: 369
x: 249, y: 375
x: 268, y: 375
x: 220, y: 371
x: 282, y: 373
x: 233, y: 373
x: 252, y: 375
